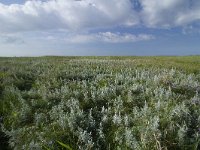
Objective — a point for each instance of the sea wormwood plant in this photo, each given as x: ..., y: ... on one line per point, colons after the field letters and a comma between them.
x: 98, y: 104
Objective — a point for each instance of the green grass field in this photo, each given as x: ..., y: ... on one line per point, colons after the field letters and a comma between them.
x: 142, y: 103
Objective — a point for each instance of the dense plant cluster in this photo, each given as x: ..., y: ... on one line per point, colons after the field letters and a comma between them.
x: 98, y: 104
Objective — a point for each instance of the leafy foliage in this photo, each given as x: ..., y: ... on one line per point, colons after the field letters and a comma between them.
x: 100, y: 103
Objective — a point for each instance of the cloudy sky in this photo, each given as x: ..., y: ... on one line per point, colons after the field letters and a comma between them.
x: 99, y: 27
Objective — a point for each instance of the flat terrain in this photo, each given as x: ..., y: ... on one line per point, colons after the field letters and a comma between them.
x: 141, y: 103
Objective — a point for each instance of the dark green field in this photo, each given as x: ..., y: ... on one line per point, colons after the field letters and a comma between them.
x: 142, y: 103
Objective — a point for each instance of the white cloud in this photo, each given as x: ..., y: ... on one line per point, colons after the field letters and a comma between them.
x: 123, y: 38
x: 169, y: 13
x: 38, y: 15
x: 104, y: 37
x: 48, y: 39
x: 66, y: 14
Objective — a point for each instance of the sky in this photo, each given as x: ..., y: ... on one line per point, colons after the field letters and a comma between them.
x: 99, y: 27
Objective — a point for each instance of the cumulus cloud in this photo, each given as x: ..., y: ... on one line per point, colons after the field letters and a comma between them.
x: 89, y: 14
x: 66, y: 14
x: 169, y: 13
x: 122, y: 38
x: 104, y: 37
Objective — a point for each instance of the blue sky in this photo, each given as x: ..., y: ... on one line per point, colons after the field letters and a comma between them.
x: 99, y: 27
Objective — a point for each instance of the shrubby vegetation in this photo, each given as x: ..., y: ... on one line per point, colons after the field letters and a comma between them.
x: 100, y: 103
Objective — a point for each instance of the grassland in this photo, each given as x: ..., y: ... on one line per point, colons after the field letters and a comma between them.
x: 141, y: 103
